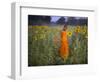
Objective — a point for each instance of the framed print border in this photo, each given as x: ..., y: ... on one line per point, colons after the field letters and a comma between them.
x: 17, y: 67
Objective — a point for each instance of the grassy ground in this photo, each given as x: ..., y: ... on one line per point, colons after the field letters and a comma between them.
x: 44, y: 44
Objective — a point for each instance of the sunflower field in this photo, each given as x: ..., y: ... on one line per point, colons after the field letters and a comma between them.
x: 44, y: 43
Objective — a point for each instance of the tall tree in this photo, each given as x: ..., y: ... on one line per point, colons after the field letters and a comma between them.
x: 71, y: 21
x: 61, y: 20
x: 36, y: 19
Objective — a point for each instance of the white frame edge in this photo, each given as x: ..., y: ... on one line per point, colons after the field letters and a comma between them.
x: 15, y: 41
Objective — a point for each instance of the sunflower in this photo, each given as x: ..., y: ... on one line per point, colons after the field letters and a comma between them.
x: 77, y: 29
x: 42, y: 36
x: 78, y: 26
x: 83, y: 31
x: 69, y: 33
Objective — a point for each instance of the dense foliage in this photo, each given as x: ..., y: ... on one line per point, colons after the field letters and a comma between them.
x: 44, y: 44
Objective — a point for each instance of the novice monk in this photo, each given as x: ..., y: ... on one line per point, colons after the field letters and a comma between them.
x: 64, y: 49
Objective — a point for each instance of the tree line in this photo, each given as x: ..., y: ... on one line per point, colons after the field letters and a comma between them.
x: 45, y: 20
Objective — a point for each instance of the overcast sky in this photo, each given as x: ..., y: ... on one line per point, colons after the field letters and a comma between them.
x: 55, y: 18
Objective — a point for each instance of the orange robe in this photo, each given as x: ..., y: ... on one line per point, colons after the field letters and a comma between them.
x: 64, y: 49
